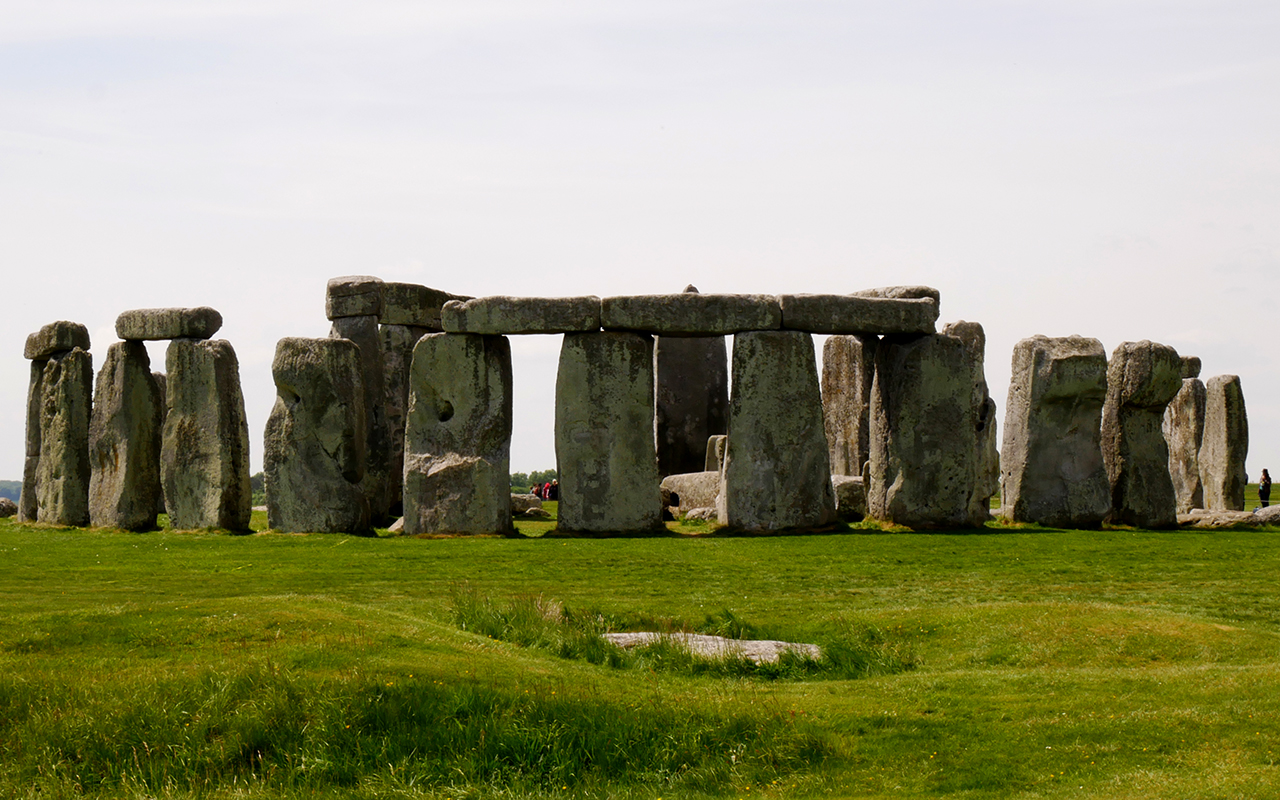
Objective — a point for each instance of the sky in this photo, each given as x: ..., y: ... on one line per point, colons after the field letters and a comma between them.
x: 1109, y: 169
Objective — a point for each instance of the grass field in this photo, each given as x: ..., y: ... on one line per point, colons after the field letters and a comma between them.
x: 1031, y: 663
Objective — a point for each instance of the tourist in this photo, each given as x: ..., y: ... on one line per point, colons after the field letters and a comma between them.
x: 1264, y: 489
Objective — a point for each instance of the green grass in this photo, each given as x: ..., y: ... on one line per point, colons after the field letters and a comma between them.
x: 1045, y: 664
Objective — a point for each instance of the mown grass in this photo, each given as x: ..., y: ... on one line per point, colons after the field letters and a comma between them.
x: 1046, y: 664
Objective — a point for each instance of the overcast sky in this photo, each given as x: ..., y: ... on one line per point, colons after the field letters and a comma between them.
x: 1110, y: 169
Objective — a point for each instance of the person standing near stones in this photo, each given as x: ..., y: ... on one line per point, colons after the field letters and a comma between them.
x: 1264, y: 489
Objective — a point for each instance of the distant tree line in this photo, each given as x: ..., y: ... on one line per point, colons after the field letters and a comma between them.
x: 523, y: 480
x: 12, y: 489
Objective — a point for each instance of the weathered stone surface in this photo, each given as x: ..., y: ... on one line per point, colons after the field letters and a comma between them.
x: 520, y: 315
x: 1190, y: 367
x: 692, y: 399
x: 855, y: 314
x: 458, y: 435
x: 27, y: 501
x: 397, y: 354
x: 605, y: 456
x: 986, y: 481
x: 124, y: 441
x: 1268, y: 516
x: 903, y: 293
x: 715, y: 453
x: 1218, y: 520
x: 924, y: 446
x: 848, y: 365
x: 776, y: 474
x: 1051, y: 458
x: 705, y: 514
x: 691, y: 314
x: 353, y: 296
x: 1225, y: 444
x: 695, y: 489
x: 1183, y: 429
x: 204, y: 455
x: 162, y: 386
x: 1142, y: 378
x: 56, y: 337
x: 62, y: 474
x: 364, y: 331
x: 851, y: 497
x: 314, y: 446
x: 150, y: 324
x: 521, y: 503
x: 7, y: 507
x: 415, y: 306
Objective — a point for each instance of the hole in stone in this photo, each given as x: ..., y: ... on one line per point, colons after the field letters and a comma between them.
x: 445, y: 411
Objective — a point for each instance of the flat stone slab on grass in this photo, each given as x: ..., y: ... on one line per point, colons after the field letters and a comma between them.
x: 760, y: 651
x: 691, y: 314
x: 414, y: 305
x: 521, y: 315
x: 1202, y: 518
x: 56, y: 337
x: 854, y: 314
x: 158, y: 324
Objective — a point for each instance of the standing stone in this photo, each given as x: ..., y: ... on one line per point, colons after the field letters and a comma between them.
x: 776, y: 470
x: 363, y: 330
x: 397, y: 353
x: 848, y: 366
x: 458, y: 435
x: 1183, y: 428
x: 715, y: 453
x: 314, y: 454
x: 124, y: 441
x: 986, y: 483
x: 204, y: 457
x: 924, y: 449
x: 162, y: 386
x: 1051, y: 459
x: 605, y: 456
x: 1142, y: 378
x: 1225, y: 445
x: 62, y: 475
x: 27, y: 501
x: 691, y: 396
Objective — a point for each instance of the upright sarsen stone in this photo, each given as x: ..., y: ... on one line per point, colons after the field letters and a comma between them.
x: 986, y: 483
x: 1051, y: 459
x: 124, y: 441
x: 1225, y: 444
x: 1142, y: 378
x: 458, y: 435
x: 204, y: 456
x: 314, y: 449
x: 848, y: 366
x: 776, y: 470
x: 397, y: 353
x: 605, y: 456
x: 1183, y: 428
x: 924, y: 449
x: 364, y: 331
x: 27, y: 501
x: 62, y: 474
x: 691, y: 398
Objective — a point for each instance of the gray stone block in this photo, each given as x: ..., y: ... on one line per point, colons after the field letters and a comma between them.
x: 691, y: 314
x: 458, y: 436
x: 1183, y: 429
x: 902, y: 292
x: 124, y: 441
x: 397, y: 353
x: 776, y: 472
x: 605, y: 456
x: 715, y: 453
x: 848, y: 366
x: 353, y: 296
x: 415, y: 306
x: 62, y: 473
x: 204, y: 455
x: 851, y: 497
x: 151, y: 324
x: 1051, y: 459
x: 854, y: 314
x: 691, y: 399
x: 986, y: 483
x: 1225, y: 444
x: 27, y: 500
x: 521, y: 315
x: 162, y: 386
x: 694, y: 489
x: 314, y: 447
x: 1142, y: 377
x: 56, y: 337
x: 1190, y: 367
x: 364, y: 331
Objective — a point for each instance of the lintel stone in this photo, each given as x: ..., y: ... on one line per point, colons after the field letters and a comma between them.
x: 414, y: 305
x: 154, y: 324
x: 690, y: 314
x: 56, y: 337
x: 353, y: 296
x: 853, y: 314
x: 501, y: 315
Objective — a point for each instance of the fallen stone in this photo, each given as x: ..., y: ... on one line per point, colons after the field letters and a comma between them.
x: 521, y: 315
x: 7, y: 507
x: 364, y: 331
x: 776, y: 473
x: 534, y: 513
x: 314, y: 446
x: 1142, y: 378
x: 353, y: 296
x: 62, y: 473
x: 396, y: 527
x: 1268, y: 516
x: 124, y: 441
x: 703, y: 514
x: 56, y: 337
x: 759, y: 651
x: 848, y: 366
x: 854, y: 314
x: 691, y: 314
x: 152, y: 324
x: 1225, y: 444
x: 204, y: 454
x: 415, y: 306
x: 1183, y: 428
x: 523, y: 502
x: 851, y: 497
x: 691, y: 399
x: 458, y: 436
x: 715, y: 453
x: 605, y: 454
x: 695, y: 489
x: 1217, y: 520
x: 1051, y: 459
